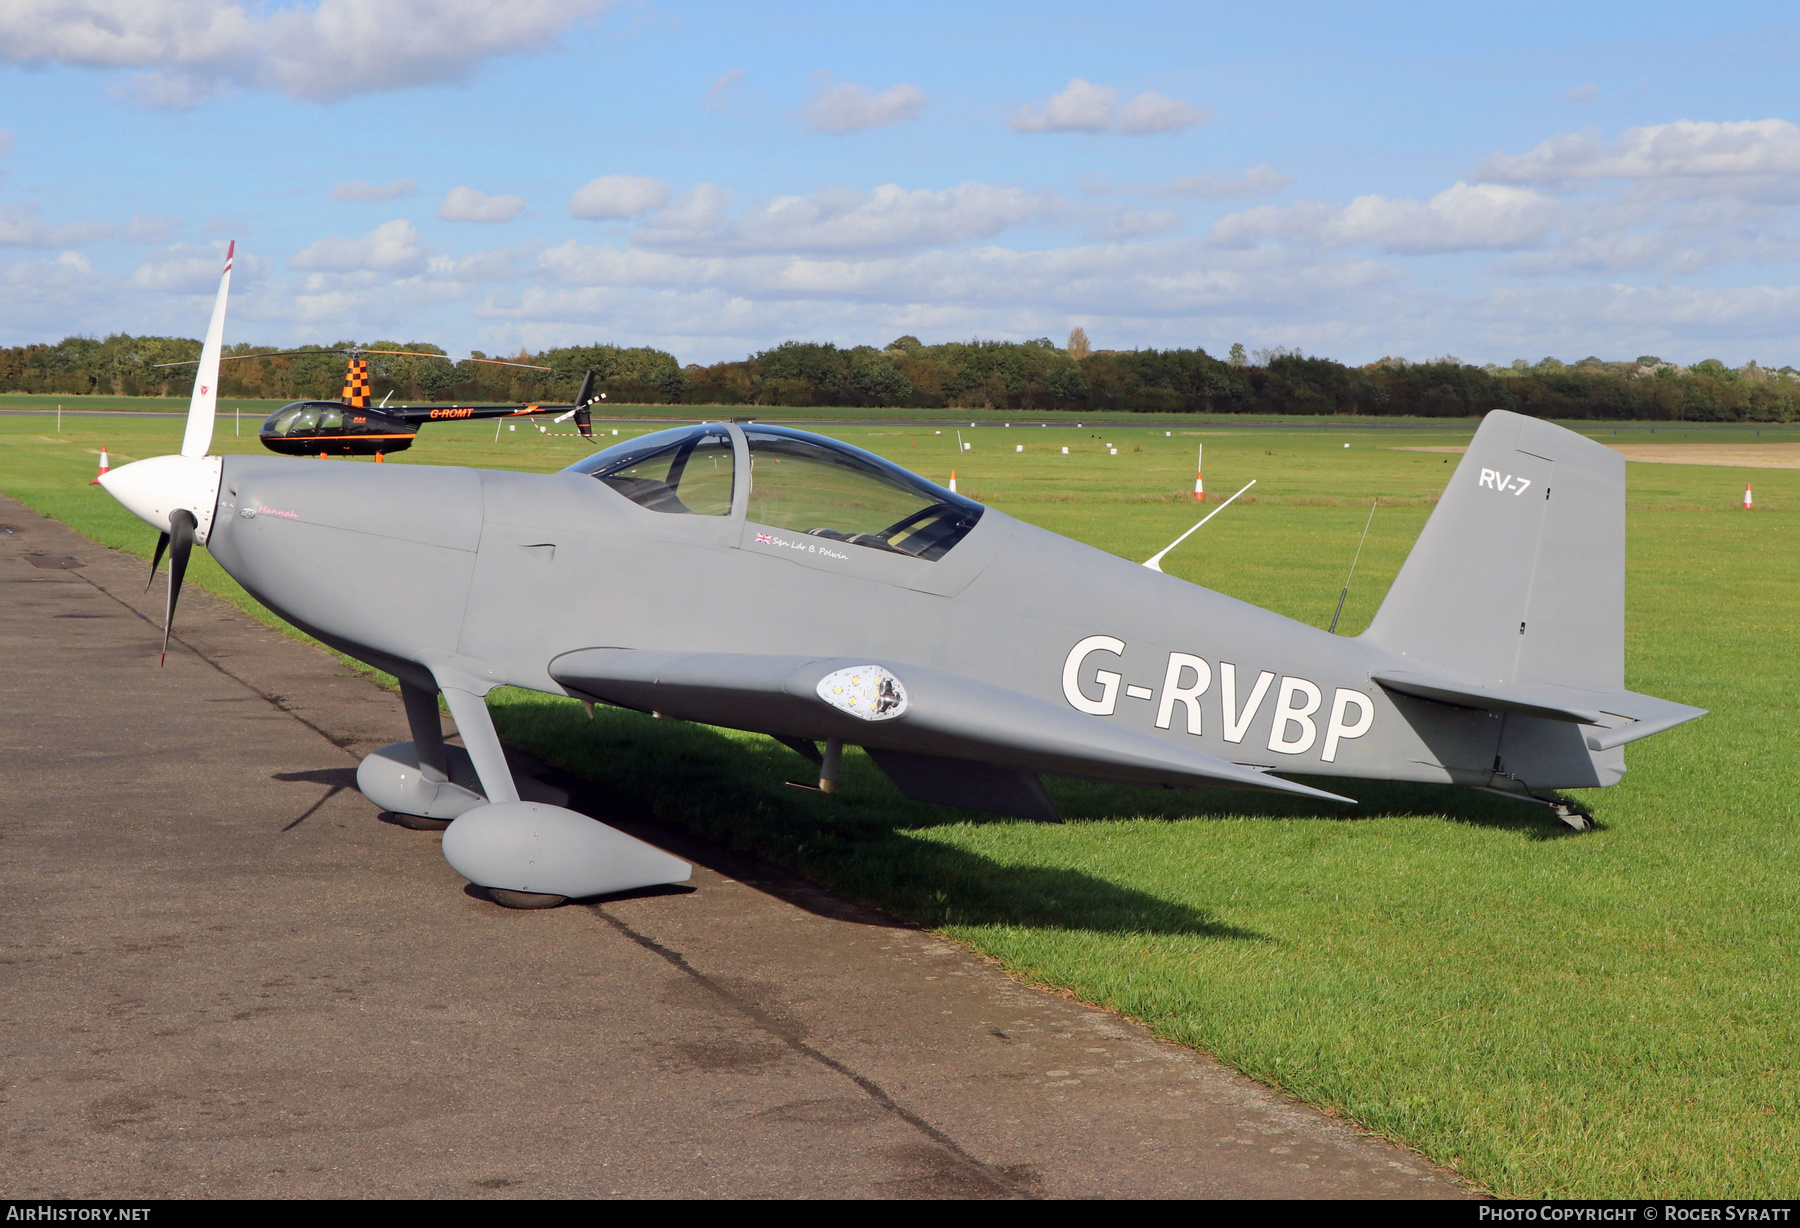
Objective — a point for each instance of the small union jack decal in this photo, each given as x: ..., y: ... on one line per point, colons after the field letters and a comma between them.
x: 765, y: 539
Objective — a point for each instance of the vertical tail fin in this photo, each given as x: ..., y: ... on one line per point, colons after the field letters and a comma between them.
x: 1519, y: 576
x: 356, y: 384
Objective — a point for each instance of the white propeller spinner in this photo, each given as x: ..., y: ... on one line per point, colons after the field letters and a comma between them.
x: 152, y: 489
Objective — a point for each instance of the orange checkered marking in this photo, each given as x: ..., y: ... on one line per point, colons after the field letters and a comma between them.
x: 356, y: 384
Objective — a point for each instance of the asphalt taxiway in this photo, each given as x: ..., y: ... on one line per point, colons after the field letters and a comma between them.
x: 222, y: 973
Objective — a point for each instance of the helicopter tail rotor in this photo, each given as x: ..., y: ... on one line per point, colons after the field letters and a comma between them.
x: 582, y: 413
x: 584, y: 420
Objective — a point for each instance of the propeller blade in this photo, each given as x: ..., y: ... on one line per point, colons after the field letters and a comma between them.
x: 197, y: 440
x: 181, y: 544
x: 162, y: 544
x: 586, y: 394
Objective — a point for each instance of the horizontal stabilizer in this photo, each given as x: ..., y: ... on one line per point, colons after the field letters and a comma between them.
x: 1643, y: 714
x: 1551, y: 702
x: 1647, y: 715
x: 927, y: 712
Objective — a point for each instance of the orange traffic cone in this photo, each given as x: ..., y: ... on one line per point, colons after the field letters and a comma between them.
x: 104, y: 466
x: 1200, y: 475
x: 1748, y: 501
x: 953, y: 481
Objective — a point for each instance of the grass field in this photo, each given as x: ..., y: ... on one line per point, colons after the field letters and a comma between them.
x: 1612, y: 1014
x: 253, y: 411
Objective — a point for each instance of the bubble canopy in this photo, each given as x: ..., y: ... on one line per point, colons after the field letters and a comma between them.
x: 799, y: 481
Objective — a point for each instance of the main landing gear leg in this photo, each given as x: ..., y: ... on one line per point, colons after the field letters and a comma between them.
x: 531, y: 854
x: 424, y: 783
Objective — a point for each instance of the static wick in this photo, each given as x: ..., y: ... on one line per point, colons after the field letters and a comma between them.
x: 1345, y: 591
x: 1154, y: 562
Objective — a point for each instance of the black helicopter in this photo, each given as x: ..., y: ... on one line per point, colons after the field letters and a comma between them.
x: 351, y: 426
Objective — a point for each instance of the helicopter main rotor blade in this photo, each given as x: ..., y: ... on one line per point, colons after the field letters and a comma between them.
x: 498, y: 362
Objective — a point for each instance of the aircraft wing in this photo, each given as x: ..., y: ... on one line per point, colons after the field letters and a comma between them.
x: 922, y: 712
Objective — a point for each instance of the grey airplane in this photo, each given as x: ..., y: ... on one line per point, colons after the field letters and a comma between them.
x: 773, y: 580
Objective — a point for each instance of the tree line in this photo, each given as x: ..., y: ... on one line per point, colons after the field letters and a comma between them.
x: 1030, y: 376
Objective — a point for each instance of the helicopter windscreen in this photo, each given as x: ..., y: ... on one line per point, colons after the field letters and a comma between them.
x: 278, y: 422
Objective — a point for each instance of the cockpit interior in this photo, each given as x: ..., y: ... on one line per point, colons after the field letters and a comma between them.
x: 799, y: 482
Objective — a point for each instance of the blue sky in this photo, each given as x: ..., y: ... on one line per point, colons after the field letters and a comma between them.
x: 1355, y: 180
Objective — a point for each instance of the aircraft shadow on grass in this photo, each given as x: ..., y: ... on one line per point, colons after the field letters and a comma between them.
x: 1085, y: 801
x: 862, y: 839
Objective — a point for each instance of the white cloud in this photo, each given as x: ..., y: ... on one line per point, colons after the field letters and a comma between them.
x: 495, y: 264
x: 1263, y: 180
x: 468, y: 205
x: 20, y: 226
x: 1165, y: 281
x: 1581, y: 93
x: 1150, y: 113
x: 147, y: 229
x: 1085, y: 107
x: 362, y: 190
x: 392, y: 247
x: 68, y: 264
x: 193, y: 268
x: 1731, y: 155
x: 1138, y: 224
x: 696, y: 212
x: 163, y: 90
x: 849, y: 107
x: 192, y: 49
x: 888, y: 218
x: 1463, y: 217
x: 36, y: 276
x: 1081, y: 107
x: 618, y: 196
x: 724, y: 90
